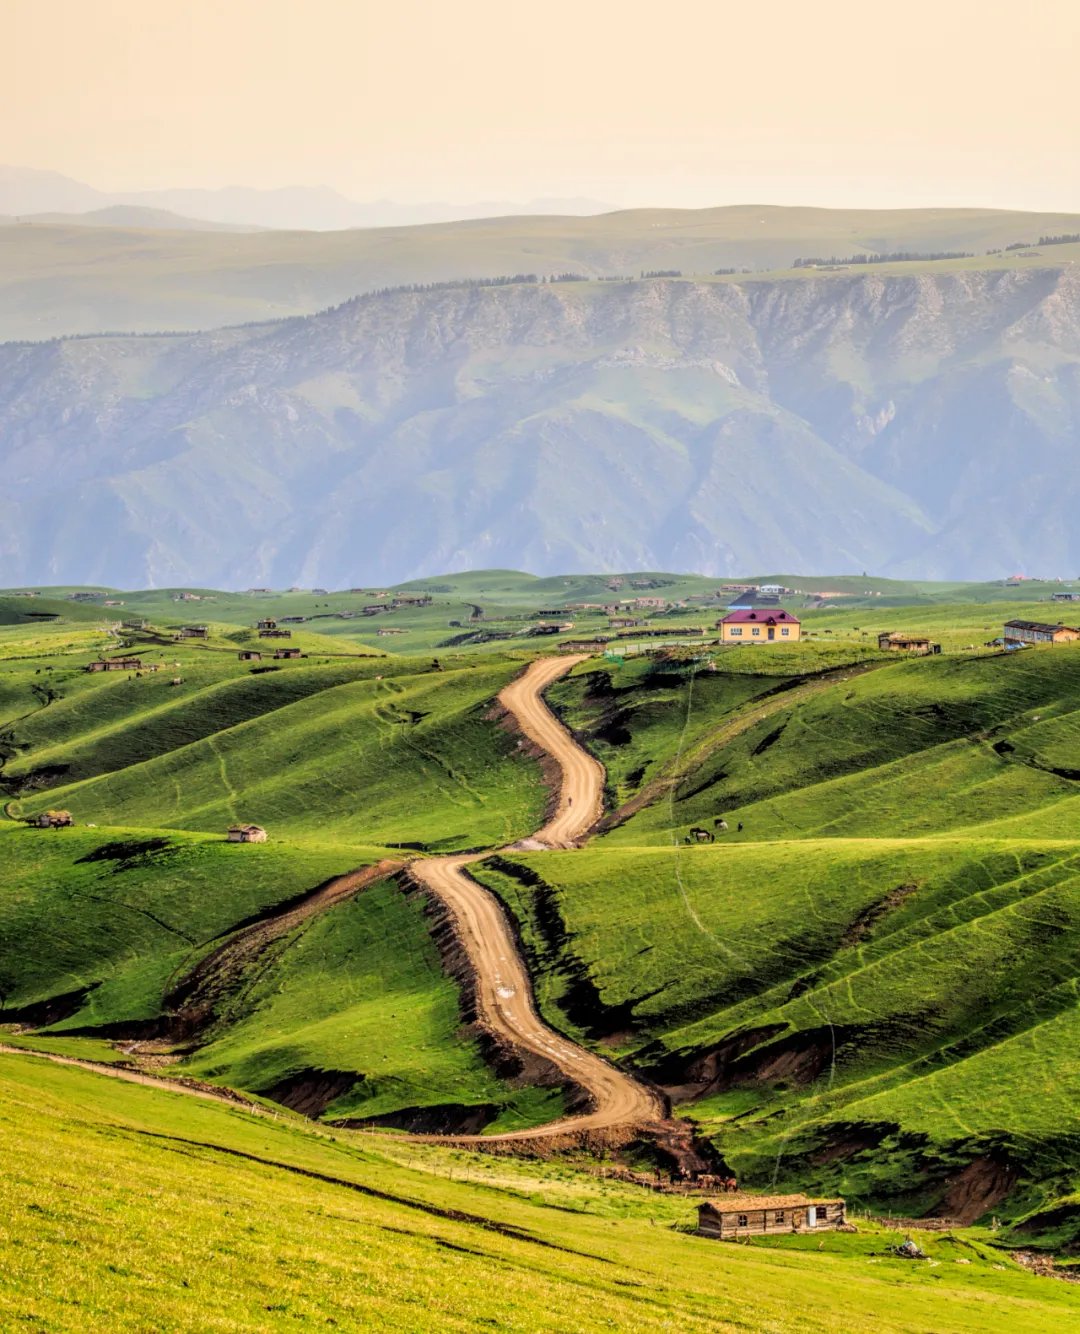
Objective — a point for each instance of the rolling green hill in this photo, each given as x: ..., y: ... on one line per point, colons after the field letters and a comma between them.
x: 881, y: 947
x: 870, y: 988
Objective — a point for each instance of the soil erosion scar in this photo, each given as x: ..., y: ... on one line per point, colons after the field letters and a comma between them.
x: 504, y: 995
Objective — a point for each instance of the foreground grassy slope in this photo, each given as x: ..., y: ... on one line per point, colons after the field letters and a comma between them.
x: 219, y: 1221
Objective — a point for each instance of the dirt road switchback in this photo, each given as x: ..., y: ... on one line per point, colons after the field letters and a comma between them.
x: 503, y: 993
x: 580, y: 792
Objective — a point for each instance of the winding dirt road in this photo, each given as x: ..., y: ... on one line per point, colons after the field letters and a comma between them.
x: 503, y: 992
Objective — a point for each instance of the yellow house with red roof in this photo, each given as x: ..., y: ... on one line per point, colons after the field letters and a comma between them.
x: 759, y: 625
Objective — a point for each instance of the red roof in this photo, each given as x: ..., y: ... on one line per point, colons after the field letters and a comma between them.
x: 759, y: 616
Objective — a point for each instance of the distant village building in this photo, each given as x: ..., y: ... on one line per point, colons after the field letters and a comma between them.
x: 275, y: 634
x: 584, y: 645
x: 286, y: 653
x: 624, y: 622
x: 139, y: 623
x: 249, y: 655
x: 319, y: 592
x: 116, y: 665
x: 53, y: 820
x: 1039, y: 632
x: 246, y: 833
x: 1065, y: 597
x: 751, y: 625
x: 267, y: 625
x: 736, y: 1217
x: 194, y: 632
x: 897, y: 642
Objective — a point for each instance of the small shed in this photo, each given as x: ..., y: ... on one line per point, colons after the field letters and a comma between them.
x: 194, y: 632
x: 116, y: 665
x: 286, y: 653
x: 246, y: 833
x: 249, y: 655
x: 736, y: 1217
x: 896, y: 641
x: 267, y: 624
x: 53, y: 820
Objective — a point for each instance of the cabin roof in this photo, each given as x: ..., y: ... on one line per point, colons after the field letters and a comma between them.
x: 1036, y: 625
x: 760, y: 615
x: 741, y: 1204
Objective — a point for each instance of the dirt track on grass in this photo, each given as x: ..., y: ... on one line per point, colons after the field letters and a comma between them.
x: 612, y: 1103
x: 193, y: 997
x: 502, y: 993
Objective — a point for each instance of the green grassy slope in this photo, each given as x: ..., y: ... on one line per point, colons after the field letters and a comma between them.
x: 895, y: 924
x: 109, y: 916
x: 324, y: 757
x: 361, y: 990
x: 856, y: 992
x: 99, y: 928
x: 216, y: 1220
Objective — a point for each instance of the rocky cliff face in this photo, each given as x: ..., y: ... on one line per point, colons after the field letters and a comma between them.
x: 920, y: 426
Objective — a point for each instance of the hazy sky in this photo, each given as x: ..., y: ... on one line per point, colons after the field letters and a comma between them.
x: 687, y: 102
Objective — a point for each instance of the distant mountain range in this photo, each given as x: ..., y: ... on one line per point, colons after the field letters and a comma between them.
x: 24, y: 191
x: 919, y: 425
x: 121, y: 273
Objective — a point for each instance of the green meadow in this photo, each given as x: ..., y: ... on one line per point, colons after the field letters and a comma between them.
x: 866, y: 984
x: 129, y: 1208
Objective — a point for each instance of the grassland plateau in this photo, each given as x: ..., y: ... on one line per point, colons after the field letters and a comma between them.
x: 863, y: 981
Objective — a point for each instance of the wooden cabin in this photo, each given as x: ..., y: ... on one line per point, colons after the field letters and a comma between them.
x: 898, y: 642
x: 246, y: 833
x: 275, y: 634
x: 1039, y: 632
x: 249, y: 655
x: 286, y: 653
x: 267, y: 625
x: 53, y: 820
x: 736, y: 1217
x: 116, y: 665
x: 194, y: 632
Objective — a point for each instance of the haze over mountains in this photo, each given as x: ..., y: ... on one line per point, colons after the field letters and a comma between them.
x: 914, y: 423
x: 25, y: 191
